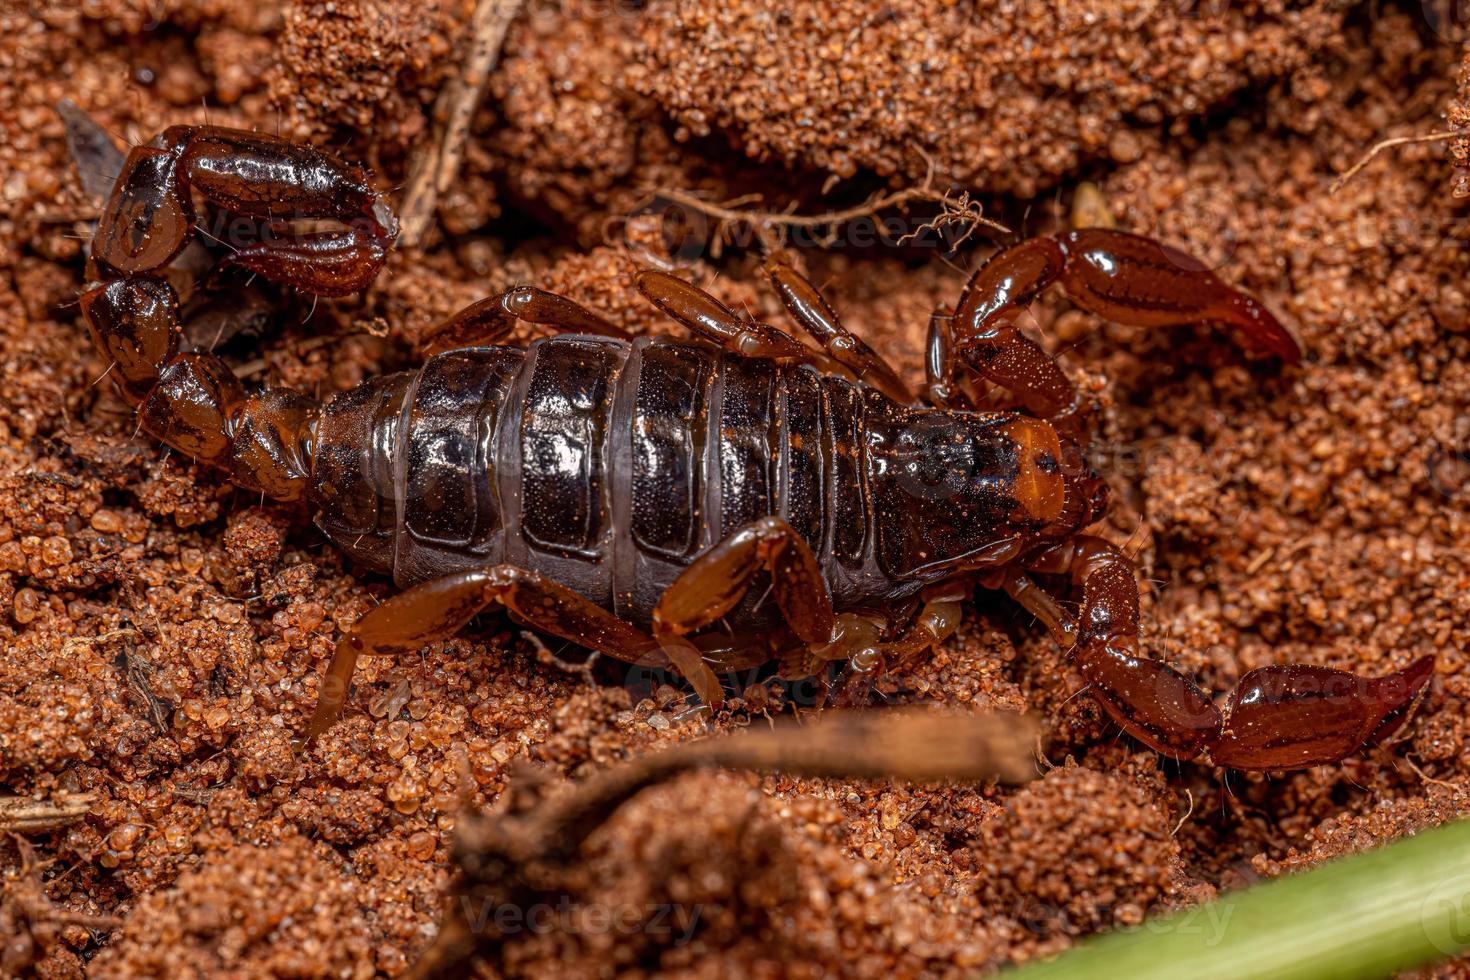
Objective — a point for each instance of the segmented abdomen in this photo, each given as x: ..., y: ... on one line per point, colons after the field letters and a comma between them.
x: 604, y: 464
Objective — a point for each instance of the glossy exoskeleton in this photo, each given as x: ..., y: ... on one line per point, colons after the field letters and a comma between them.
x: 626, y: 494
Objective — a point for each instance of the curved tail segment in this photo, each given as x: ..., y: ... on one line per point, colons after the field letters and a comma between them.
x: 192, y: 401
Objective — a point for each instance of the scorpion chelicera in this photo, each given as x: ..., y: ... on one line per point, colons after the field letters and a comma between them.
x: 626, y: 493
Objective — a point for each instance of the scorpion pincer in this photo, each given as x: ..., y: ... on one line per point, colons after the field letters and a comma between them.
x: 625, y: 494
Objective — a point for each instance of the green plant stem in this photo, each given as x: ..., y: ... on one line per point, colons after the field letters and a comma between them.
x: 1369, y: 915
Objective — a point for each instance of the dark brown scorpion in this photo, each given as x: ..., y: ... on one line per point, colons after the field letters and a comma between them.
x: 624, y: 494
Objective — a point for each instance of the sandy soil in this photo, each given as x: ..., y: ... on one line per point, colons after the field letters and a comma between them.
x: 162, y: 633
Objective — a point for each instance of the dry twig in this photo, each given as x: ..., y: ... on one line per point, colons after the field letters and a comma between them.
x: 435, y: 169
x: 522, y: 854
x: 24, y: 815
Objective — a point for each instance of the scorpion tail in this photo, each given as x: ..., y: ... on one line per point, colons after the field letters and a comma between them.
x: 192, y: 401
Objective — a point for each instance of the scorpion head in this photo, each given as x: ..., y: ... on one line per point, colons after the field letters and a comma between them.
x: 1037, y: 481
x: 1054, y: 488
x: 971, y: 488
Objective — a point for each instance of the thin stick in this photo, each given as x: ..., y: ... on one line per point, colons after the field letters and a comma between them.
x: 912, y: 744
x: 1382, y: 145
x: 436, y: 168
x: 520, y: 855
x: 21, y: 814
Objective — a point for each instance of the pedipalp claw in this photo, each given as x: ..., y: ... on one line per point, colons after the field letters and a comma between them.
x: 1301, y: 715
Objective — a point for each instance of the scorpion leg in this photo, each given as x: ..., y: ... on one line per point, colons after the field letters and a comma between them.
x: 491, y: 320
x: 811, y: 310
x: 716, y: 581
x: 716, y: 322
x: 439, y: 608
x: 150, y: 215
x: 936, y: 622
x: 1281, y: 717
x: 1123, y: 277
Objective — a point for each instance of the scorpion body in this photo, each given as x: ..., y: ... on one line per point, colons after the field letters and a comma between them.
x: 626, y: 494
x: 609, y: 465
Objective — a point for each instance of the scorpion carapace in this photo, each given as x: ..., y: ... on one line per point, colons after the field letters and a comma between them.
x: 626, y: 494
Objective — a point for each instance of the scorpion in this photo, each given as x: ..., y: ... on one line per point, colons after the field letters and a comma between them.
x: 627, y: 494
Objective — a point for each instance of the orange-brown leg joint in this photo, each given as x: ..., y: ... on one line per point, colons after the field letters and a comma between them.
x: 716, y: 581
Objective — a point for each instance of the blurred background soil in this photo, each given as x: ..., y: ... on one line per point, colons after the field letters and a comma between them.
x: 161, y: 635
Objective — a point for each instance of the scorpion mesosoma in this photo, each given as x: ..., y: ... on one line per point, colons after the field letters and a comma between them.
x: 624, y: 494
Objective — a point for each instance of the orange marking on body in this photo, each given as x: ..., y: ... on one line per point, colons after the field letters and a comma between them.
x: 1038, y: 485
